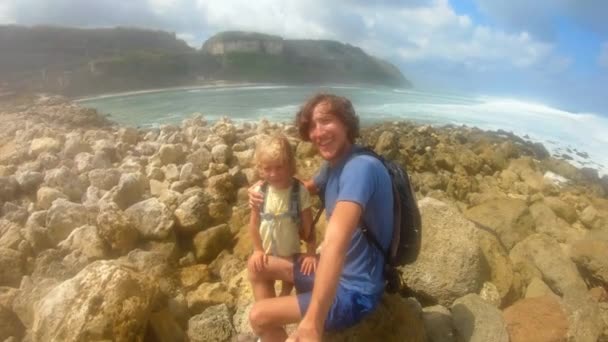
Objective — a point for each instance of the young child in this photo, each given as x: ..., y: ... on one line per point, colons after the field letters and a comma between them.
x: 285, y: 216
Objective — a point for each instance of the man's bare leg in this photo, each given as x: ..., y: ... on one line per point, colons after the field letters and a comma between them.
x: 269, y: 314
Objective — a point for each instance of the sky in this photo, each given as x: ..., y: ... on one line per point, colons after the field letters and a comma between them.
x: 546, y: 51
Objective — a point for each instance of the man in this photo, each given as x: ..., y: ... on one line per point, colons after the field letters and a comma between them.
x: 348, y: 282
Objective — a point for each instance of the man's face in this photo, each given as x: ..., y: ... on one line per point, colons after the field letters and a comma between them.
x: 328, y: 133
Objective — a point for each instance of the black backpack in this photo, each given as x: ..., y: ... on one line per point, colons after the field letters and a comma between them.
x: 407, y: 231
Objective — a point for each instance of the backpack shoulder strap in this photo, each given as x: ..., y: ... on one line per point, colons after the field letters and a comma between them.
x: 294, y: 201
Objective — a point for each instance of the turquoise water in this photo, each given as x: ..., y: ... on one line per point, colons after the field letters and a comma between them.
x: 558, y: 130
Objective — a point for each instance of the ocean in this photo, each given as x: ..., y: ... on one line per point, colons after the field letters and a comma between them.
x: 582, y: 136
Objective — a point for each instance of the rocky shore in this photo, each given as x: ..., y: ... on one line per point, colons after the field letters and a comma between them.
x: 124, y: 234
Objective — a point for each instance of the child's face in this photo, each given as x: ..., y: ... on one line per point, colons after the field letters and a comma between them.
x: 276, y: 173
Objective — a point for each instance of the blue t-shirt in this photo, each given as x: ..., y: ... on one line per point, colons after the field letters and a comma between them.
x: 364, y: 180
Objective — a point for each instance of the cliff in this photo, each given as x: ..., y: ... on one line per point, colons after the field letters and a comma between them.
x: 78, y: 62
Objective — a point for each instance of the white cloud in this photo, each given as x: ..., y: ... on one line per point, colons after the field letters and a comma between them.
x: 603, y: 57
x: 6, y: 16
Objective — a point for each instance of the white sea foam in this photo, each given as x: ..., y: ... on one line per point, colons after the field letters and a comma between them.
x: 560, y: 131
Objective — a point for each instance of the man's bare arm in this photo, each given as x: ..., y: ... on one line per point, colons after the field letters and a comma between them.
x: 340, y: 229
x: 310, y: 185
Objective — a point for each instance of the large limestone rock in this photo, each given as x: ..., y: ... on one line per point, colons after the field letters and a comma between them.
x: 192, y: 215
x: 394, y: 319
x: 209, y: 243
x: 151, y: 218
x: 9, y: 187
x: 165, y: 328
x: 500, y: 266
x: 208, y: 294
x: 546, y: 221
x: 66, y: 181
x: 509, y: 218
x: 103, y: 301
x: 45, y: 197
x: 192, y: 276
x: 104, y: 179
x: 62, y: 218
x: 542, y: 257
x: 10, y: 326
x: 476, y: 320
x: 540, y: 319
x: 562, y: 209
x: 590, y: 255
x: 438, y: 324
x: 212, y: 325
x: 221, y: 153
x: 114, y: 227
x: 45, y: 144
x: 244, y: 158
x: 85, y: 243
x: 450, y: 261
x: 74, y: 144
x: 130, y: 189
x: 11, y: 267
x: 171, y: 154
x: 200, y: 158
x: 29, y: 180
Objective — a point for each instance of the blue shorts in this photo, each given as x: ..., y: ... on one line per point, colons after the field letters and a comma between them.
x: 349, y: 307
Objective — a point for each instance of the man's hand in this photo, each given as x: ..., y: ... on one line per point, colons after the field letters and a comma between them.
x: 308, y: 264
x: 260, y: 259
x: 256, y: 198
x: 305, y: 333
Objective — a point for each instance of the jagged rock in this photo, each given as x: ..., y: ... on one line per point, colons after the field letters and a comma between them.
x: 244, y: 158
x: 165, y: 328
x: 74, y: 145
x: 548, y: 223
x: 130, y: 189
x: 527, y: 170
x: 305, y: 150
x: 200, y: 158
x: 394, y: 319
x: 226, y: 131
x: 219, y: 211
x: 438, y: 324
x: 542, y: 256
x: 10, y: 234
x: 562, y: 209
x: 192, y: 215
x: 537, y: 288
x: 212, y: 325
x: 171, y: 154
x: 386, y: 145
x: 592, y: 218
x: 154, y: 264
x: 147, y: 148
x: 14, y: 213
x: 9, y: 187
x: 48, y: 160
x: 151, y: 218
x: 10, y: 325
x: 46, y: 144
x: 584, y: 316
x: 155, y: 173
x: 35, y: 233
x: 29, y: 181
x: 450, y: 262
x: 179, y: 186
x: 509, y: 218
x: 171, y: 172
x: 192, y: 276
x: 209, y: 243
x: 62, y: 218
x: 66, y: 181
x: 128, y: 135
x: 104, y: 179
x: 490, y: 294
x: 208, y: 294
x: 590, y: 255
x: 11, y: 267
x: 103, y: 301
x: 106, y: 149
x: 537, y: 319
x: 226, y: 266
x: 221, y: 186
x: 476, y: 320
x: 221, y: 153
x: 115, y: 228
x: 46, y: 196
x: 86, y: 242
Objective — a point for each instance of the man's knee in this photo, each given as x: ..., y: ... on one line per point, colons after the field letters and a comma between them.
x: 257, y: 319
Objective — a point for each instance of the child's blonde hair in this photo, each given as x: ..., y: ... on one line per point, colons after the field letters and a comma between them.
x: 274, y: 148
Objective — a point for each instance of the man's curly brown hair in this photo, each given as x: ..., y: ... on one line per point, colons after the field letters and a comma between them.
x: 340, y: 106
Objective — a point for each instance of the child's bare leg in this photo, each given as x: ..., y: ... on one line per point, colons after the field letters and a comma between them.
x: 286, y: 288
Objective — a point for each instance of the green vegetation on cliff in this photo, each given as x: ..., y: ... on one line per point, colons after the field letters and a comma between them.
x: 80, y: 61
